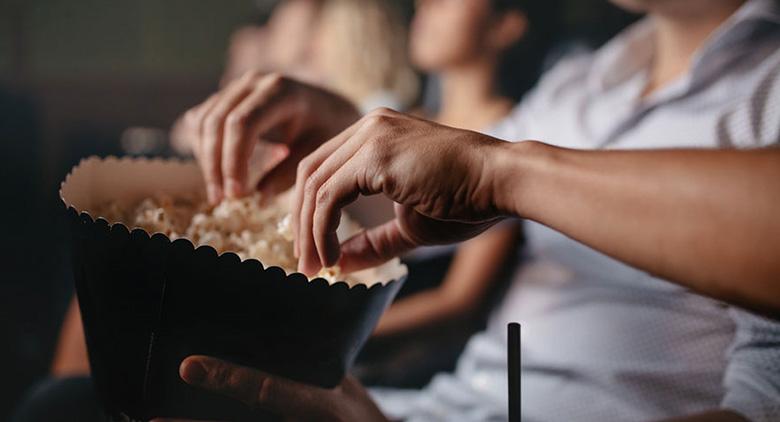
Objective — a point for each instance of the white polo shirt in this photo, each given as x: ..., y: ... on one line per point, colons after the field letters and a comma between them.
x: 603, y: 341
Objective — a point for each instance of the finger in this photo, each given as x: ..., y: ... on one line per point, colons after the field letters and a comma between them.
x: 375, y: 246
x: 308, y: 166
x: 314, y: 254
x: 280, y: 177
x: 193, y: 120
x: 240, y: 135
x: 342, y: 188
x: 409, y: 230
x: 255, y: 388
x: 211, y: 135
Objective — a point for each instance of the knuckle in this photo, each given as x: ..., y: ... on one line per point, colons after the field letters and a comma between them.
x: 235, y: 382
x: 191, y: 115
x: 383, y: 111
x: 310, y: 188
x: 250, y: 75
x: 264, y: 391
x: 375, y: 120
x: 273, y: 80
x: 303, y: 168
x: 380, y: 118
x: 323, y: 195
x: 220, y: 377
x: 236, y: 120
x: 211, y: 124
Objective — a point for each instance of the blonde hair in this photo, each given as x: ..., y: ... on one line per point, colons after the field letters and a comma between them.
x: 363, y: 51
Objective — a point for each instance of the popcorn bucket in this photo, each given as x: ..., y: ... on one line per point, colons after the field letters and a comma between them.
x: 148, y: 302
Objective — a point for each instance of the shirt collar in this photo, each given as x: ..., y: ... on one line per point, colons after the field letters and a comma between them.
x: 630, y: 52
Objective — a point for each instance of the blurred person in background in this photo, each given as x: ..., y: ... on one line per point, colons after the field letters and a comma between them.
x: 282, y: 44
x: 486, y: 54
x: 359, y: 51
x: 249, y: 48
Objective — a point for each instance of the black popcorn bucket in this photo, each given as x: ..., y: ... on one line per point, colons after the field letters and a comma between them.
x: 148, y: 302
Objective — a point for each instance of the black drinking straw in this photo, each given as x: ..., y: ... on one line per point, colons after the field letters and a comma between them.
x: 513, y: 366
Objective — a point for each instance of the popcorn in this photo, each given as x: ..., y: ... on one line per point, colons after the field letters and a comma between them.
x: 241, y: 226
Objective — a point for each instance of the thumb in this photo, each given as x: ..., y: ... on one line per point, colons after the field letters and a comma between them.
x: 410, y: 229
x: 257, y: 389
x: 374, y: 246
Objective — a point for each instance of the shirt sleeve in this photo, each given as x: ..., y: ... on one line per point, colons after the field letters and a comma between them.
x: 752, y: 377
x: 754, y: 122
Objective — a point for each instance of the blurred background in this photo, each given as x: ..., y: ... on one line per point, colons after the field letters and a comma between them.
x: 90, y: 77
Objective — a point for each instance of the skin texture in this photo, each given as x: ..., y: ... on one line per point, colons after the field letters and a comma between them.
x: 228, y: 124
x: 706, y: 219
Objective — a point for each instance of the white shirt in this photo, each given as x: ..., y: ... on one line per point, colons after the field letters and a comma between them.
x: 601, y: 340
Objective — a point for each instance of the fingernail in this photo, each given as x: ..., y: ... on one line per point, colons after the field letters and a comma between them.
x: 192, y: 372
x: 234, y: 188
x: 214, y: 193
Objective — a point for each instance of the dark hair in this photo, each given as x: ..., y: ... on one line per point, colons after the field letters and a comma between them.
x: 521, y: 64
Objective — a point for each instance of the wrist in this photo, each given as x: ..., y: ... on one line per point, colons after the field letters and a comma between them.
x: 519, y: 173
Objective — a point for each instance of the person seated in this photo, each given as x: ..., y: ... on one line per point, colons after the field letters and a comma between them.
x: 565, y: 189
x: 604, y: 341
x: 485, y: 56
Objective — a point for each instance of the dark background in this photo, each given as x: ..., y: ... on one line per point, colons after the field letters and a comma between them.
x: 73, y: 76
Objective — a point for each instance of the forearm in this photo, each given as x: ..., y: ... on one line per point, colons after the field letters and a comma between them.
x: 706, y: 219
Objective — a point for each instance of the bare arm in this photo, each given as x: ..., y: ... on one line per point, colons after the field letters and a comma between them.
x: 468, y: 280
x: 706, y: 219
x: 709, y: 220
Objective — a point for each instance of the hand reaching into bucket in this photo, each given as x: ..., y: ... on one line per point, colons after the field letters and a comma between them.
x: 443, y: 181
x: 224, y: 130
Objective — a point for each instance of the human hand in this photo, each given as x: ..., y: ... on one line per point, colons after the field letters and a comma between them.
x: 224, y: 129
x: 443, y: 181
x: 292, y: 400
